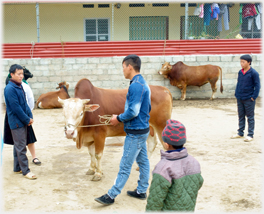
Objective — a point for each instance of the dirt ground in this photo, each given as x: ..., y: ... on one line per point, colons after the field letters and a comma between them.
x: 231, y: 168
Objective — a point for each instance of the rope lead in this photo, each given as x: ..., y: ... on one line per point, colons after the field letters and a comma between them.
x: 107, y: 119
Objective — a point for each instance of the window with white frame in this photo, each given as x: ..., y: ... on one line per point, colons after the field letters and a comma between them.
x: 97, y: 30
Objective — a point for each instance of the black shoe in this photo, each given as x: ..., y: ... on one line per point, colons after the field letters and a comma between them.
x: 141, y: 196
x: 105, y: 200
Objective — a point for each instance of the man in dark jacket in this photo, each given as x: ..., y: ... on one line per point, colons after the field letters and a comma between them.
x: 19, y: 117
x: 247, y: 91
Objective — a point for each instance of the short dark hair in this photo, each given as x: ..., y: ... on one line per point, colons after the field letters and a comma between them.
x: 134, y: 61
x: 177, y: 147
x: 15, y: 67
x: 247, y: 57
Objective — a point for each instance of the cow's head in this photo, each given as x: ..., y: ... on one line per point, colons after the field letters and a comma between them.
x: 74, y: 110
x: 165, y: 69
x: 27, y: 73
x: 63, y: 83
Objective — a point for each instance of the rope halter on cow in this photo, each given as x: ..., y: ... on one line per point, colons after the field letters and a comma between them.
x: 107, y: 119
x: 106, y: 122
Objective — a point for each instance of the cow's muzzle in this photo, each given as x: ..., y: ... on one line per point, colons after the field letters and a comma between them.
x: 69, y: 132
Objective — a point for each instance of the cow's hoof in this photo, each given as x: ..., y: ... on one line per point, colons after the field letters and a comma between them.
x: 137, y: 168
x: 90, y: 172
x: 97, y: 177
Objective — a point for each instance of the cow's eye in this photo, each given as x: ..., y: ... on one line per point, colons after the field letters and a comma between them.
x: 81, y: 114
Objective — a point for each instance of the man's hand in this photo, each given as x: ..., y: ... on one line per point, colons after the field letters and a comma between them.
x: 31, y: 121
x: 114, y: 120
x: 252, y: 99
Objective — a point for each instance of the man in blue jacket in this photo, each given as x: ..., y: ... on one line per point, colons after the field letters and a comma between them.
x: 19, y: 117
x: 136, y: 125
x: 247, y: 91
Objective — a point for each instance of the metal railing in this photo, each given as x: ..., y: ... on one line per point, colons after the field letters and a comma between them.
x: 123, y: 48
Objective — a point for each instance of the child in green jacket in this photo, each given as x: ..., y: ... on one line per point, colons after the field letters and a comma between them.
x: 177, y: 177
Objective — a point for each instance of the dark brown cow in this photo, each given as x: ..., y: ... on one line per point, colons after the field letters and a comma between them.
x: 182, y: 75
x: 50, y: 100
x: 108, y: 102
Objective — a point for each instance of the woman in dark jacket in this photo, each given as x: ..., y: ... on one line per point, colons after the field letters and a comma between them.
x: 19, y: 118
x: 31, y: 138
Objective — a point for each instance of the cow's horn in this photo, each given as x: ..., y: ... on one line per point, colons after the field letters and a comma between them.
x: 84, y: 101
x: 61, y: 101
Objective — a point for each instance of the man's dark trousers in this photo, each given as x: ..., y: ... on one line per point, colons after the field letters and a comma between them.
x: 20, y: 142
x: 246, y: 108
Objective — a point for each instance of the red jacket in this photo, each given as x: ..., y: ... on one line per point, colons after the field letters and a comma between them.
x: 249, y: 10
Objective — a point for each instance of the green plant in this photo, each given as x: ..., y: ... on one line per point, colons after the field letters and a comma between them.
x: 204, y: 35
x: 231, y: 34
x: 190, y: 34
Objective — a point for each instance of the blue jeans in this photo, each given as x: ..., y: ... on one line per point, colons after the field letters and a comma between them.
x: 246, y: 108
x: 135, y: 148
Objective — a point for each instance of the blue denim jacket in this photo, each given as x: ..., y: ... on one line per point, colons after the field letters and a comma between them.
x: 138, y: 105
x: 17, y: 109
x: 248, y: 85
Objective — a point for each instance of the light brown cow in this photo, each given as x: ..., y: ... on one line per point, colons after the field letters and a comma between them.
x: 50, y: 100
x: 108, y: 102
x: 182, y: 75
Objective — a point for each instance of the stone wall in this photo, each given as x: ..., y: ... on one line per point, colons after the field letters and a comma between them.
x: 107, y: 72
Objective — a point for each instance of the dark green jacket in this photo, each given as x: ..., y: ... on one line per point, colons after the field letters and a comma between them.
x: 175, y: 184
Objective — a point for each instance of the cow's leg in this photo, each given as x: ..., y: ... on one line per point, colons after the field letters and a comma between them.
x: 151, y: 143
x: 158, y: 132
x: 98, y: 174
x: 179, y: 86
x: 183, y: 92
x: 92, y: 168
x: 214, y: 90
x: 214, y: 87
x: 99, y: 141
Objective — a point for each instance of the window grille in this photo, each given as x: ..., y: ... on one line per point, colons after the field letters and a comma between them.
x: 97, y: 30
x: 148, y: 27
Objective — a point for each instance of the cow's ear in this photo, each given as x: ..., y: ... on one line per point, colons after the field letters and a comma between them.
x: 91, y: 108
x: 169, y: 67
x: 61, y: 101
x: 84, y: 101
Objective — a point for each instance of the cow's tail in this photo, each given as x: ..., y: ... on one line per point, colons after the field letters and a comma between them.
x: 221, y: 86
